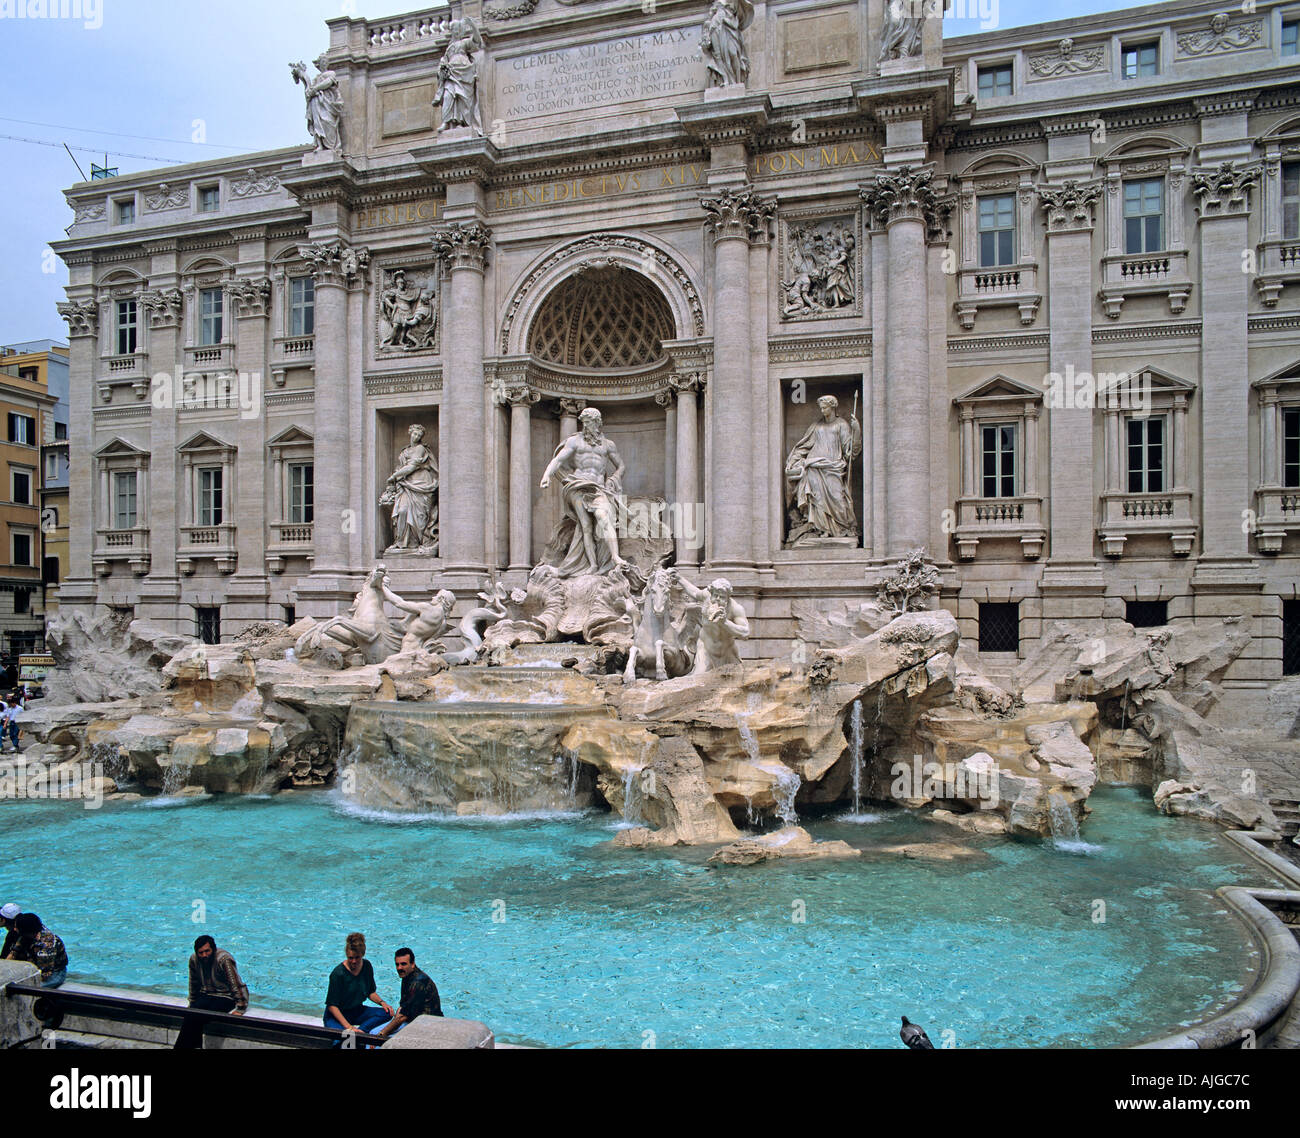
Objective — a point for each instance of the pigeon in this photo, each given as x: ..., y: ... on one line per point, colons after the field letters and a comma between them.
x: 915, y: 1037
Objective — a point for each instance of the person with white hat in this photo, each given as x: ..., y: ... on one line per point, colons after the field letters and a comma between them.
x: 8, y: 915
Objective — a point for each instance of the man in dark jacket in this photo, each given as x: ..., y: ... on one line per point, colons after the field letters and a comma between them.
x: 419, y: 994
x: 215, y: 986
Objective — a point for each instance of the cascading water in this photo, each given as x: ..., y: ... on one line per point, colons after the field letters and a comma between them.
x: 1065, y: 829
x: 856, y: 745
x: 787, y: 781
x: 631, y: 785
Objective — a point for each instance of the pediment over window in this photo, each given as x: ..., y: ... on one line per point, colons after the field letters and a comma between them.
x: 1162, y: 381
x: 120, y: 448
x: 204, y: 442
x: 998, y: 388
x: 1283, y: 377
x: 291, y: 436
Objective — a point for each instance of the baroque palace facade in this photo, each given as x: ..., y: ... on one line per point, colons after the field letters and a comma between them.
x: 511, y: 213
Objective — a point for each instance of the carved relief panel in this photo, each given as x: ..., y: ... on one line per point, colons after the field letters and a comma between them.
x: 406, y: 309
x: 821, y: 265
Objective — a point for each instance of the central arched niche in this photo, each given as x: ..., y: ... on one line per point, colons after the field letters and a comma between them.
x: 602, y: 329
x: 602, y: 319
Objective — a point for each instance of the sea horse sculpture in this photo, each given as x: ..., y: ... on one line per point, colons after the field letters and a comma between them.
x: 366, y: 629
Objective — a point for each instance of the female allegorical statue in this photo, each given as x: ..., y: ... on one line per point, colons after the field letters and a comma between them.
x: 412, y: 491
x: 458, y: 77
x: 723, y: 46
x: 818, y: 471
x: 324, y: 105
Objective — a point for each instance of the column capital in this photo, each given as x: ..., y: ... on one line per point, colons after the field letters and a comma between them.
x: 666, y: 397
x: 334, y: 263
x: 742, y: 213
x: 1068, y: 208
x: 517, y: 395
x: 463, y: 245
x: 82, y: 317
x: 687, y: 382
x: 908, y: 194
x: 574, y: 407
x: 1225, y: 191
x: 164, y: 307
x: 251, y: 297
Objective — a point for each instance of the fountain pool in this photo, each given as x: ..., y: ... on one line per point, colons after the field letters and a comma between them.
x: 535, y: 926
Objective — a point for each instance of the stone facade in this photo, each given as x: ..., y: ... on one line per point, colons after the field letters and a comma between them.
x: 951, y: 238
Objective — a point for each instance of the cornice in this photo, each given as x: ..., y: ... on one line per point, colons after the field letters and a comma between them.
x: 802, y: 349
x: 1030, y: 342
x: 403, y: 383
x: 1171, y: 329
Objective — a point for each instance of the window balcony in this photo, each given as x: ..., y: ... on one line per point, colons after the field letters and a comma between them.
x: 1277, y: 514
x: 295, y: 349
x: 130, y: 370
x: 210, y: 543
x: 1278, y: 263
x: 989, y: 519
x: 289, y: 539
x: 1167, y: 514
x: 129, y: 545
x: 1145, y: 274
x: 210, y: 355
x: 1008, y: 286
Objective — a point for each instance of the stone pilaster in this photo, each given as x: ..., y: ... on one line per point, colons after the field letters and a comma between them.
x: 667, y: 399
x: 462, y: 423
x: 250, y: 301
x: 78, y: 588
x: 337, y: 268
x: 736, y: 217
x: 521, y: 401
x: 904, y: 202
x: 1069, y: 213
x: 570, y: 409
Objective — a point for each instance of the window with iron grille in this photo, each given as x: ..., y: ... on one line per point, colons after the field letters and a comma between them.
x: 1146, y: 614
x: 1291, y: 638
x: 1000, y: 627
x: 208, y: 624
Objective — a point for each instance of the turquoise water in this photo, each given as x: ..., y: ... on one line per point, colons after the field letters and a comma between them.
x: 540, y: 930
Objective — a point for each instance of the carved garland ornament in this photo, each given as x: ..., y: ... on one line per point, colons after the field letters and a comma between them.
x: 1067, y: 61
x: 167, y: 197
x: 1221, y: 36
x: 648, y: 256
x: 254, y: 184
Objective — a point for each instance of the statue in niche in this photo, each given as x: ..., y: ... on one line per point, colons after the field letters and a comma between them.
x: 901, y: 36
x: 412, y: 494
x: 723, y: 44
x: 458, y: 77
x: 818, y: 470
x: 409, y: 316
x: 324, y: 104
x: 821, y: 268
x: 591, y: 479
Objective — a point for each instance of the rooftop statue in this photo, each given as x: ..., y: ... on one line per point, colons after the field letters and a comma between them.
x: 723, y: 43
x: 324, y: 104
x: 458, y: 93
x: 901, y: 36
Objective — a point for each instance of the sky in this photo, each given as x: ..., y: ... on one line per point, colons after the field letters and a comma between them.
x: 165, y: 72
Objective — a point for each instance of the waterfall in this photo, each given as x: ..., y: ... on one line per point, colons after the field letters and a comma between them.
x: 787, y: 788
x: 749, y: 741
x: 631, y: 778
x: 176, y: 777
x: 1065, y: 830
x: 856, y: 746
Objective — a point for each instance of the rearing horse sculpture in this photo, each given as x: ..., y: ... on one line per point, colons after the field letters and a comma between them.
x: 366, y: 629
x: 656, y: 638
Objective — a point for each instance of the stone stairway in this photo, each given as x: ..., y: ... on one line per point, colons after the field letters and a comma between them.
x: 1288, y: 815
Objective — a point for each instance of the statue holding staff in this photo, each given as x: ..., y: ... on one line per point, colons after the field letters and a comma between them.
x: 324, y: 104
x: 818, y: 470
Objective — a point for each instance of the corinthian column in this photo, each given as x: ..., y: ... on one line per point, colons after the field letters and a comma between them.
x: 520, y: 400
x: 689, y: 511
x: 83, y: 333
x: 905, y: 204
x: 335, y: 267
x: 736, y: 218
x: 462, y: 423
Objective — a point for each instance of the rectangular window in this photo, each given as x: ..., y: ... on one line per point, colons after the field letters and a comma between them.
x: 1146, y: 614
x: 22, y: 602
x: 22, y: 548
x: 20, y: 484
x: 51, y: 467
x: 1291, y: 447
x: 1291, y: 200
x: 126, y: 212
x: 1000, y: 627
x: 211, y: 301
x: 124, y: 489
x: 997, y: 230
x: 1144, y: 215
x: 22, y: 429
x: 126, y: 327
x: 209, y: 199
x: 1291, y: 638
x: 302, y: 306
x: 290, y: 615
x: 1290, y: 37
x: 208, y: 625
x: 302, y: 497
x: 998, y: 460
x: 210, y: 501
x: 60, y: 431
x: 50, y: 571
x: 1141, y: 60
x: 1146, y: 456
x: 994, y: 81
x: 30, y: 374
